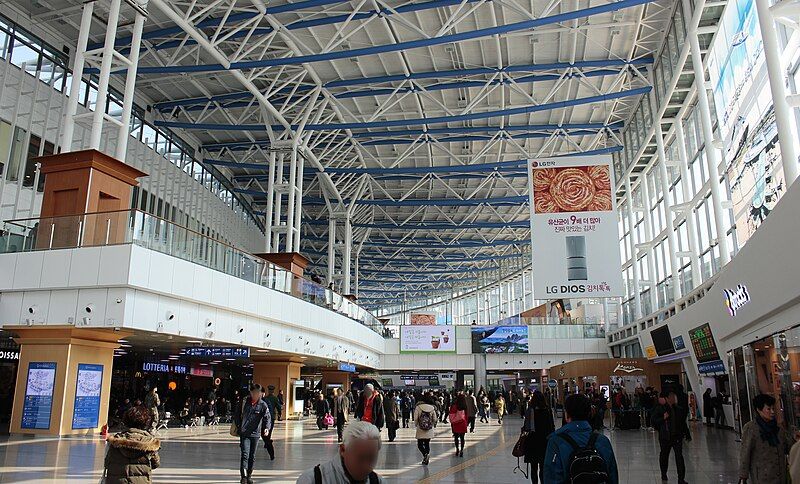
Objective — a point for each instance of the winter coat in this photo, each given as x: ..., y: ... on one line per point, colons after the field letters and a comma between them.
x: 759, y: 461
x: 425, y: 407
x: 377, y: 410
x: 708, y: 405
x: 341, y: 404
x: 472, y: 406
x: 132, y: 455
x: 252, y: 419
x: 540, y: 421
x: 673, y: 428
x: 391, y: 412
x: 500, y: 406
x: 321, y: 408
x: 556, y: 458
x: 458, y: 427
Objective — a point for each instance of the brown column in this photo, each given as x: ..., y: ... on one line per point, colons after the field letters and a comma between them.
x: 293, y: 262
x: 281, y: 372
x: 60, y: 349
x: 336, y: 377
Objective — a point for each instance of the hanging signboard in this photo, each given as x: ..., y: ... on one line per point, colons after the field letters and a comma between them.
x: 427, y: 339
x: 423, y: 319
x: 38, y: 402
x: 87, y: 396
x: 574, y: 239
x: 499, y: 339
x: 217, y: 352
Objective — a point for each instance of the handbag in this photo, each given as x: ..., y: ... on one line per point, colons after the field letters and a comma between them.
x: 457, y: 417
x: 327, y: 420
x: 519, y: 447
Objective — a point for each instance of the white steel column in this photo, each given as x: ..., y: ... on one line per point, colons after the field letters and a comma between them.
x: 648, y: 243
x: 672, y: 240
x: 355, y: 274
x: 637, y: 298
x: 712, y: 157
x: 331, y: 249
x: 130, y: 83
x: 691, y: 227
x: 77, y: 74
x: 105, y: 74
x: 777, y: 80
x: 346, y: 253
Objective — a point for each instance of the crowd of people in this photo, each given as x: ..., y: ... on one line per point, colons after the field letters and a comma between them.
x: 576, y: 451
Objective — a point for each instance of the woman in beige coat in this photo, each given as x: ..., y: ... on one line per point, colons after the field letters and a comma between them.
x: 425, y: 419
x: 764, y: 446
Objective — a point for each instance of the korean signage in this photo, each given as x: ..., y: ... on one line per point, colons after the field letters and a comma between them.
x: 87, y: 396
x: 716, y: 366
x: 650, y: 352
x: 217, y: 352
x: 427, y: 339
x: 348, y: 367
x: 575, y: 245
x: 39, y: 389
x: 164, y: 367
x: 703, y: 344
x: 200, y: 371
x: 678, y: 343
x: 736, y: 298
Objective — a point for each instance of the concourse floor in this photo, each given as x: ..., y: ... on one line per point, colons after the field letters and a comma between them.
x: 210, y: 455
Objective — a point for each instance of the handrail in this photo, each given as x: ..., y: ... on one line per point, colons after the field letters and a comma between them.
x: 133, y: 226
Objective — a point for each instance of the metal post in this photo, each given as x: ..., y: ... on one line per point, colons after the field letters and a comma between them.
x: 270, y: 202
x: 105, y: 74
x: 712, y: 157
x: 130, y: 83
x: 292, y: 194
x: 691, y: 227
x: 672, y: 240
x: 77, y: 74
x: 775, y: 73
x: 331, y: 249
x: 356, y: 276
x: 298, y: 204
x: 348, y: 247
x: 637, y: 298
x: 648, y: 233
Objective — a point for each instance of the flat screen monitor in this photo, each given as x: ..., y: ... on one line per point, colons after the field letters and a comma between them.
x: 662, y: 340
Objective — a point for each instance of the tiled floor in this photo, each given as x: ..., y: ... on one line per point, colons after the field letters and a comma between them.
x: 209, y: 455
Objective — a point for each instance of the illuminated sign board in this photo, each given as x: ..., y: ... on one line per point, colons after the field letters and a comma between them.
x: 736, y: 298
x: 217, y: 352
x: 348, y: 367
x: 164, y: 368
x: 705, y: 349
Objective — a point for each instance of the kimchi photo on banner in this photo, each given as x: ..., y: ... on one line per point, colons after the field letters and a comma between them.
x: 574, y: 240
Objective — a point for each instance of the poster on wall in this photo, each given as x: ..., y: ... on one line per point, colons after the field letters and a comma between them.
x: 499, y: 339
x: 87, y: 396
x: 423, y: 319
x: 38, y: 402
x: 574, y: 240
x: 427, y: 339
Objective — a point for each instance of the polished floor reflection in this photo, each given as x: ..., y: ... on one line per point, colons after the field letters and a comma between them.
x: 210, y: 455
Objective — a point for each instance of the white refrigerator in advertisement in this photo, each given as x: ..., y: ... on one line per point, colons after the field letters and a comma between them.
x: 574, y: 236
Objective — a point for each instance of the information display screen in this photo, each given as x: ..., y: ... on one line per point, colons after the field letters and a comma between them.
x: 662, y: 340
x: 705, y: 348
x: 38, y: 403
x: 87, y: 396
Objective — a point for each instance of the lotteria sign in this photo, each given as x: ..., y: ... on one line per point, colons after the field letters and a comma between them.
x: 736, y: 298
x: 164, y: 367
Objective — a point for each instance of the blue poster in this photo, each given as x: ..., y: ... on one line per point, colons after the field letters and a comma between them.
x: 87, y: 396
x: 38, y: 402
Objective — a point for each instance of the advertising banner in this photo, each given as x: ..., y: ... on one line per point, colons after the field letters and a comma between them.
x: 87, y: 396
x: 38, y: 402
x: 427, y: 339
x: 423, y: 319
x: 499, y: 339
x: 574, y: 239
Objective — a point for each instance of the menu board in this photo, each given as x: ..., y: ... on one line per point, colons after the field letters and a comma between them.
x: 38, y: 402
x: 87, y: 396
x: 705, y: 349
x: 427, y: 339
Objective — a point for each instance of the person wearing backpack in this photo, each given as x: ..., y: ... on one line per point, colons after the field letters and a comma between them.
x: 458, y: 422
x: 355, y: 462
x: 575, y: 453
x: 669, y: 419
x: 425, y: 419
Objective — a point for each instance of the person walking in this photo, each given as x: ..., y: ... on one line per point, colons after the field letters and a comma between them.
x: 341, y: 411
x: 500, y: 407
x: 764, y: 446
x: 391, y: 412
x: 561, y: 456
x: 354, y: 463
x: 275, y: 404
x: 485, y: 408
x: 719, y: 412
x: 425, y: 419
x: 132, y: 454
x: 370, y: 407
x: 406, y: 408
x: 539, y: 422
x: 152, y: 402
x: 472, y: 410
x: 321, y: 410
x: 252, y: 421
x: 708, y: 406
x: 669, y: 419
x: 268, y: 444
x: 458, y: 422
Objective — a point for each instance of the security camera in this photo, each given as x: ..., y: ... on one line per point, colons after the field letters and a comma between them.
x: 241, y: 329
x: 119, y: 300
x: 33, y: 309
x: 117, y: 328
x: 89, y: 308
x: 208, y: 323
x: 170, y: 315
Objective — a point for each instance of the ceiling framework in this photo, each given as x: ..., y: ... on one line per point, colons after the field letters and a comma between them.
x: 424, y: 113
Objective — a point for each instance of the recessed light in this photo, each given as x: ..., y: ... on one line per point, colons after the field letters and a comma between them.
x: 194, y: 341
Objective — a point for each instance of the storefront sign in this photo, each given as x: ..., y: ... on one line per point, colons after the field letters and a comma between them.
x: 736, y: 298
x: 87, y: 396
x: 552, y: 383
x: 164, y: 368
x: 38, y: 402
x: 200, y: 371
x: 217, y: 352
x: 678, y: 343
x: 626, y: 368
x: 711, y: 367
x: 574, y: 219
x: 348, y: 367
x: 9, y: 355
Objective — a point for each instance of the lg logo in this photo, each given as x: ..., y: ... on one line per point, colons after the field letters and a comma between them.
x: 571, y: 289
x: 542, y: 164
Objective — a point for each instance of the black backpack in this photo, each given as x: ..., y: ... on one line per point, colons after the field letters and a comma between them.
x: 586, y: 465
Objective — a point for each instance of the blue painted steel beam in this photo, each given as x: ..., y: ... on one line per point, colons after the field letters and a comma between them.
x: 420, y: 121
x: 441, y: 202
x: 424, y: 244
x: 471, y: 138
x: 403, y: 46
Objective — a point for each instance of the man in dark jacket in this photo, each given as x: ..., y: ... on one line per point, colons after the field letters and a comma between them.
x: 253, y: 421
x: 370, y: 407
x: 669, y: 418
